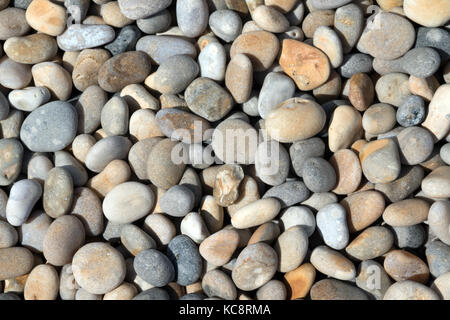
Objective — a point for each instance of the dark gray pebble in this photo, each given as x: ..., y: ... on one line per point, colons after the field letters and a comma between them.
x: 288, y: 193
x: 355, y: 63
x: 411, y: 112
x: 153, y: 294
x: 154, y: 267
x: 184, y: 254
x: 125, y: 40
x: 410, y: 236
x: 436, y: 38
x: 438, y: 258
x: 318, y: 175
x: 300, y: 151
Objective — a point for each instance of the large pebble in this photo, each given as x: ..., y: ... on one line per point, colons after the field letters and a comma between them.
x: 437, y: 120
x: 332, y: 225
x: 184, y: 254
x: 78, y: 37
x: 245, y: 217
x: 332, y: 263
x: 371, y: 243
x: 380, y: 161
x: 105, y: 151
x: 154, y: 267
x: 22, y: 197
x: 403, y: 265
x: 31, y: 49
x: 291, y: 248
x: 192, y: 17
x: 410, y: 290
x: 42, y: 283
x: 160, y: 48
x: 218, y: 248
x: 46, y: 17
x: 415, y: 145
x: 432, y: 13
x: 226, y: 24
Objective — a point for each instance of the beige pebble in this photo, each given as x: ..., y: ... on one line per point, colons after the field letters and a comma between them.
x: 143, y: 125
x: 31, y: 49
x: 137, y: 97
x: 256, y: 213
x: 211, y: 213
x: 126, y: 291
x: 81, y: 145
x: 42, y: 283
x: 160, y: 228
x: 115, y: 173
x: 348, y: 171
x: 423, y: 87
x: 218, y: 248
x: 53, y: 77
x: 112, y: 15
x: 87, y: 65
x: 437, y: 183
x: 46, y: 17
x: 345, y: 127
x: 379, y: 118
x: 332, y: 263
x: 437, y: 120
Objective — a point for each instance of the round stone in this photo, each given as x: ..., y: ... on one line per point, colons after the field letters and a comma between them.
x: 411, y: 112
x: 154, y: 267
x: 185, y: 256
x: 402, y: 265
x: 288, y: 193
x: 270, y: 19
x: 218, y: 248
x: 135, y: 239
x: 332, y: 263
x: 54, y: 77
x: 291, y: 248
x: 332, y: 225
x: 371, y: 243
x: 392, y: 88
x: 415, y: 145
x: 245, y: 217
x: 300, y: 280
x: 364, y: 279
x: 42, y: 283
x: 153, y: 294
x: 12, y: 23
x: 58, y: 192
x: 318, y: 175
x: 226, y: 24
x: 137, y: 9
x: 192, y: 17
x: 46, y: 17
x: 98, y: 268
x: 14, y: 75
x: 105, y: 151
x: 15, y: 262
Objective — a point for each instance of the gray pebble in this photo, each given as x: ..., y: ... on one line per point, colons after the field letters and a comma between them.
x: 226, y: 24
x: 22, y: 4
x: 299, y: 216
x: 4, y: 106
x: 50, y: 128
x: 192, y: 17
x: 8, y: 235
x: 159, y: 22
x: 178, y: 201
x: 135, y: 239
x: 65, y: 160
x: 444, y: 153
x: 33, y: 231
x: 114, y: 116
x: 29, y: 99
x: 438, y: 258
x: 105, y: 151
x: 318, y: 175
x: 153, y: 294
x: 250, y: 107
x: 328, y: 4
x: 302, y: 150
x: 349, y: 24
x: 355, y: 63
x: 212, y: 60
x: 23, y: 196
x: 160, y: 48
x: 125, y: 40
x: 276, y: 88
x: 272, y: 162
x: 288, y: 193
x: 411, y: 112
x: 138, y: 9
x: 436, y: 38
x: 188, y: 263
x: 154, y: 267
x: 409, y: 237
x: 84, y: 36
x: 77, y: 9
x: 415, y: 145
x: 332, y: 225
x: 421, y: 62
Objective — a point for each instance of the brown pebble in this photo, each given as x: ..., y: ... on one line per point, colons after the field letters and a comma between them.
x: 406, y: 212
x: 403, y: 265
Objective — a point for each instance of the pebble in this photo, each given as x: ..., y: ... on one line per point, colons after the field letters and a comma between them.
x: 371, y: 243
x: 248, y: 192
x: 126, y: 291
x: 270, y: 19
x: 226, y: 24
x: 245, y: 217
x: 185, y: 256
x: 402, y: 265
x: 410, y: 290
x: 436, y: 183
x: 301, y: 150
x: 411, y: 112
x: 58, y: 192
x: 439, y: 220
x: 332, y: 225
x: 135, y: 239
x: 276, y: 89
x: 87, y: 207
x: 434, y: 38
x: 332, y: 263
x: 218, y: 248
x: 160, y: 48
x: 300, y: 280
x: 10, y: 126
x: 440, y: 285
x: 177, y: 201
x: 316, y: 19
x: 318, y: 175
x: 345, y: 127
x: 123, y: 69
x: 436, y: 121
x: 408, y: 181
x: 15, y: 262
x: 192, y: 17
x: 361, y: 91
x: 216, y: 283
x: 272, y: 290
x: 239, y: 77
x: 331, y: 289
x: 392, y: 88
x: 154, y: 267
x: 46, y: 17
x: 366, y: 281
x: 291, y: 248
x: 254, y: 267
x: 438, y: 258
x: 8, y: 235
x: 433, y: 13
x: 410, y: 236
x: 272, y: 163
x: 33, y: 231
x: 42, y: 283
x: 11, y: 158
x: 31, y: 49
x: 98, y: 268
x: 260, y: 46
x: 444, y: 153
x: 54, y: 77
x: 355, y: 63
x: 348, y: 171
x: 375, y: 170
x: 363, y: 208
x: 12, y: 23
x: 87, y: 65
x: 212, y: 61
x: 327, y: 40
x: 28, y: 99
x: 128, y: 202
x: 349, y: 24
x: 406, y: 212
x: 115, y: 116
x: 152, y: 294
x: 22, y: 197
x: 89, y: 107
x: 14, y: 75
x: 75, y: 168
x: 423, y: 87
x: 415, y: 145
x: 288, y: 193
x: 155, y: 23
x: 78, y: 37
x: 105, y: 151
x: 173, y: 75
x: 379, y: 41
x: 194, y: 227
x: 160, y: 228
x: 226, y: 185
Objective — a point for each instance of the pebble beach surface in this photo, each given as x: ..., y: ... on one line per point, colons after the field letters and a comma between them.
x: 232, y: 150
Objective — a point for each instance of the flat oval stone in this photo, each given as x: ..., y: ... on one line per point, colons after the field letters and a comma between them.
x: 392, y: 88
x: 291, y: 248
x: 87, y: 207
x: 332, y: 263
x: 260, y: 46
x: 318, y: 175
x: 332, y: 225
x: 158, y: 22
x: 212, y: 61
x: 154, y: 267
x: 218, y: 248
x: 331, y: 289
x: 239, y: 77
x: 178, y: 201
x: 276, y: 88
x: 63, y: 238
x: 306, y: 65
x: 12, y: 23
x: 363, y: 209
x: 402, y: 265
x: 138, y: 9
x: 270, y: 19
x: 208, y: 99
x: 58, y: 192
x: 31, y: 49
x: 216, y: 283
x: 371, y: 243
x: 295, y: 119
x: 128, y: 202
x: 15, y: 262
x: 14, y: 75
x: 11, y: 156
x: 173, y: 75
x: 415, y: 145
x: 438, y: 258
x: 42, y: 283
x: 160, y: 48
x: 33, y: 231
x: 124, y: 69
x: 406, y: 212
x: 433, y: 13
x: 349, y: 23
x: 379, y: 41
x: 410, y: 290
x: 78, y: 37
x: 380, y: 161
x: 439, y: 220
x: 245, y: 217
x: 29, y: 99
x: 22, y: 197
x: 161, y: 170
x: 436, y: 121
x: 345, y: 127
x: 379, y: 118
x: 192, y: 17
x: 255, y: 266
x: 288, y: 193
x: 98, y: 268
x: 226, y: 24
x: 185, y: 256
